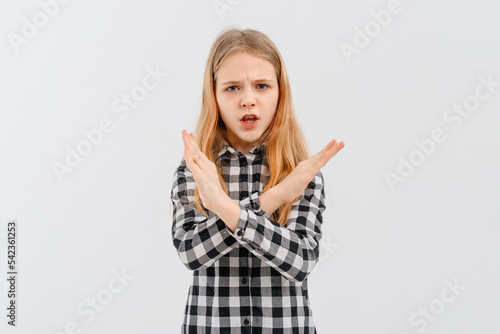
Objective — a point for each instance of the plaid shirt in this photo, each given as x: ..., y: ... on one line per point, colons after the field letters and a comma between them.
x: 253, y: 280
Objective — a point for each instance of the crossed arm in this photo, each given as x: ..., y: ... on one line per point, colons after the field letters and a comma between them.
x: 293, y: 249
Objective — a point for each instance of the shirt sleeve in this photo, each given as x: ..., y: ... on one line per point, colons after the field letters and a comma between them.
x: 293, y: 250
x: 199, y: 240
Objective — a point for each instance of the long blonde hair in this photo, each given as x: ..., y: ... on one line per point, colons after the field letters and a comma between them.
x: 286, y: 145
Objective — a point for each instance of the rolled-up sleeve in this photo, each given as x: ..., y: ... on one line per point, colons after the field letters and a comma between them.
x: 199, y: 240
x: 293, y: 250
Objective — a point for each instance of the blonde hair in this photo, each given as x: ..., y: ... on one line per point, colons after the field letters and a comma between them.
x: 286, y: 145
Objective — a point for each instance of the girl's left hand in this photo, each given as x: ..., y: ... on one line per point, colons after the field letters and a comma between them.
x: 204, y: 172
x: 295, y: 183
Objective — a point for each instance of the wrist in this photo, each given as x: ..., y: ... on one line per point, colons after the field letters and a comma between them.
x: 220, y: 202
x: 227, y: 210
x: 270, y: 200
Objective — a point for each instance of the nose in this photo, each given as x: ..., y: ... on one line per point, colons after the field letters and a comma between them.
x: 248, y: 99
x: 244, y: 104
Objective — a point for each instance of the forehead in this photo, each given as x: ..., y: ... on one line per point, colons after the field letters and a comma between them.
x: 240, y: 65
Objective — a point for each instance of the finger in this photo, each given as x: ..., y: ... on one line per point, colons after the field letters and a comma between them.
x: 193, y: 142
x: 196, y: 149
x: 197, y: 156
x: 185, y: 139
x: 192, y: 139
x: 320, y: 159
x: 332, y: 151
x: 193, y: 167
x: 334, y: 145
x: 320, y: 153
x: 335, y: 148
x: 190, y: 144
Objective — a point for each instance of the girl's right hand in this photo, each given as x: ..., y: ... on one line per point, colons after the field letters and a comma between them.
x: 204, y: 173
x: 295, y: 183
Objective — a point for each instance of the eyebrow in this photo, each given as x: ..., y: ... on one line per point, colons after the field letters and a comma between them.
x: 237, y: 82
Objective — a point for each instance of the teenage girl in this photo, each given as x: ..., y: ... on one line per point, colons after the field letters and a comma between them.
x: 247, y: 197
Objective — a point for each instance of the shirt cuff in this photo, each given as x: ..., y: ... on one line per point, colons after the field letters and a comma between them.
x: 221, y: 226
x: 250, y: 203
x: 256, y: 207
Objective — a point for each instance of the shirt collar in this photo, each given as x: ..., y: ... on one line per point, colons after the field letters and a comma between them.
x: 227, y: 148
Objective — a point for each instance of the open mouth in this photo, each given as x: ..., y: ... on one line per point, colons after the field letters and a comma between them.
x: 249, y: 119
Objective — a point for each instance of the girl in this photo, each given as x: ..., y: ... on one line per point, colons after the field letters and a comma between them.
x: 247, y: 198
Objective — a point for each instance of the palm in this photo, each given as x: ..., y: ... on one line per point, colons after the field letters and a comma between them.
x: 204, y: 171
x: 295, y: 183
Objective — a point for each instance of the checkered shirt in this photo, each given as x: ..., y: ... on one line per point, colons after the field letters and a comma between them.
x: 253, y: 280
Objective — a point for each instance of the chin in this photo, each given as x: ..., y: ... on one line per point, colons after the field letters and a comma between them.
x: 251, y: 139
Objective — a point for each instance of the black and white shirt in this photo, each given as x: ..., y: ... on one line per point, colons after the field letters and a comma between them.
x: 255, y: 279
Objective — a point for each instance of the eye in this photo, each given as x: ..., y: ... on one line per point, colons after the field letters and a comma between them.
x: 259, y: 86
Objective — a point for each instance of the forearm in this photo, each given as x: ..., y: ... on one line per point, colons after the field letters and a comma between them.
x: 188, y: 237
x: 269, y: 201
x: 228, y: 211
x: 293, y: 250
x: 192, y: 231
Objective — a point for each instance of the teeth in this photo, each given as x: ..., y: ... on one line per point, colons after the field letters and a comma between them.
x: 252, y: 118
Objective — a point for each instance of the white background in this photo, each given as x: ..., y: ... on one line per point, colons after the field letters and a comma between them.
x: 386, y: 253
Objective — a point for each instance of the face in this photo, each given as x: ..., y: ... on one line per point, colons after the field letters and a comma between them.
x: 246, y: 85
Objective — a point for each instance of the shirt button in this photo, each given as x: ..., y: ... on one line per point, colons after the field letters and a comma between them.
x: 256, y: 206
x: 244, y: 280
x: 246, y: 322
x: 239, y: 233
